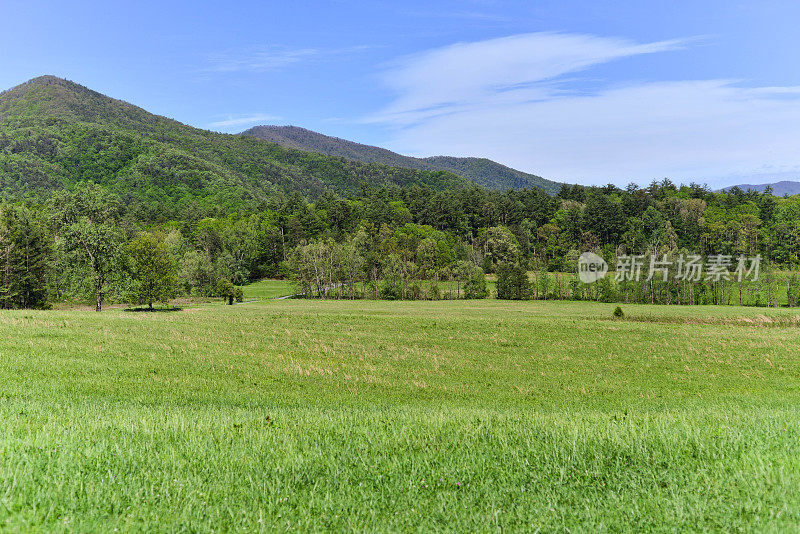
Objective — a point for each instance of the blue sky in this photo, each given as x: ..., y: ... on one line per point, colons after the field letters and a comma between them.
x: 580, y: 91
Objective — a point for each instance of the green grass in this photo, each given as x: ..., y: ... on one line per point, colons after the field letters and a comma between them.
x: 268, y: 289
x: 402, y: 416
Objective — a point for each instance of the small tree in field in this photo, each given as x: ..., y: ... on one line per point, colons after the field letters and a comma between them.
x: 513, y: 282
x: 475, y: 283
x: 229, y: 292
x: 152, y: 269
x: 226, y: 290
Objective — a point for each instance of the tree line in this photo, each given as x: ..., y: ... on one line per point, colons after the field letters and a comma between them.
x: 87, y: 243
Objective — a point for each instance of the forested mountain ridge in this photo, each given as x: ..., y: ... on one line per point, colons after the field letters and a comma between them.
x: 779, y: 189
x: 54, y: 133
x: 482, y: 171
x: 56, y: 98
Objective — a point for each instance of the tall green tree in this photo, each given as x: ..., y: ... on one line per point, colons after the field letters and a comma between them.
x: 88, y: 229
x: 499, y: 246
x: 513, y: 282
x: 152, y: 269
x: 24, y: 252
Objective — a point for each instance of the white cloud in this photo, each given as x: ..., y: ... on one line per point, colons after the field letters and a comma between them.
x: 269, y: 58
x: 510, y: 68
x: 264, y: 59
x: 508, y: 99
x: 232, y: 122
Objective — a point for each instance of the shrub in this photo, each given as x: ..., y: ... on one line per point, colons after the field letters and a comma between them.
x: 414, y: 291
x: 605, y: 291
x: 434, y: 293
x: 391, y: 291
x: 618, y: 313
x: 226, y: 290
x: 513, y: 282
x: 475, y: 285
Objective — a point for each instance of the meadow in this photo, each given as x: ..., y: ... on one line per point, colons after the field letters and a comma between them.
x: 400, y: 416
x: 268, y: 289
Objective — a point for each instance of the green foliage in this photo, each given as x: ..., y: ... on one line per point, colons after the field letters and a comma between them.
x: 152, y: 269
x: 90, y: 236
x: 94, y: 171
x: 483, y: 172
x: 59, y: 133
x: 499, y: 246
x: 475, y: 283
x: 197, y: 274
x: 226, y: 290
x: 513, y: 282
x: 24, y: 252
x: 618, y: 313
x: 409, y: 263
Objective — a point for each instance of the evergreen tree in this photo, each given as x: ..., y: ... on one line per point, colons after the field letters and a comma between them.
x: 24, y: 254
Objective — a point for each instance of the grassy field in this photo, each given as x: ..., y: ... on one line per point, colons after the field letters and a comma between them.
x: 268, y: 289
x: 400, y: 416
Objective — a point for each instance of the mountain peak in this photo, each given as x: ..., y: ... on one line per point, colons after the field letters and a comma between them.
x: 39, y: 82
x: 481, y: 171
x: 49, y: 97
x: 48, y: 79
x: 54, y: 133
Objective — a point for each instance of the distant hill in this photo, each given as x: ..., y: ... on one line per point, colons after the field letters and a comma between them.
x: 483, y: 172
x: 54, y: 132
x: 779, y: 189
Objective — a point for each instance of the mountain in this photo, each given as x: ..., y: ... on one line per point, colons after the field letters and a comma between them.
x: 54, y: 132
x: 484, y: 172
x: 779, y: 189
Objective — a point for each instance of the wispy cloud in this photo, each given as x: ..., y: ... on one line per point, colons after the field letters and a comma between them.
x: 516, y: 100
x: 477, y: 16
x: 514, y: 68
x: 268, y: 58
x: 233, y: 122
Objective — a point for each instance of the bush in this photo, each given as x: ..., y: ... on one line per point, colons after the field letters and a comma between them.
x: 390, y: 291
x: 226, y: 290
x: 475, y: 285
x: 605, y: 291
x: 414, y: 291
x: 513, y: 282
x: 618, y: 313
x: 434, y: 293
